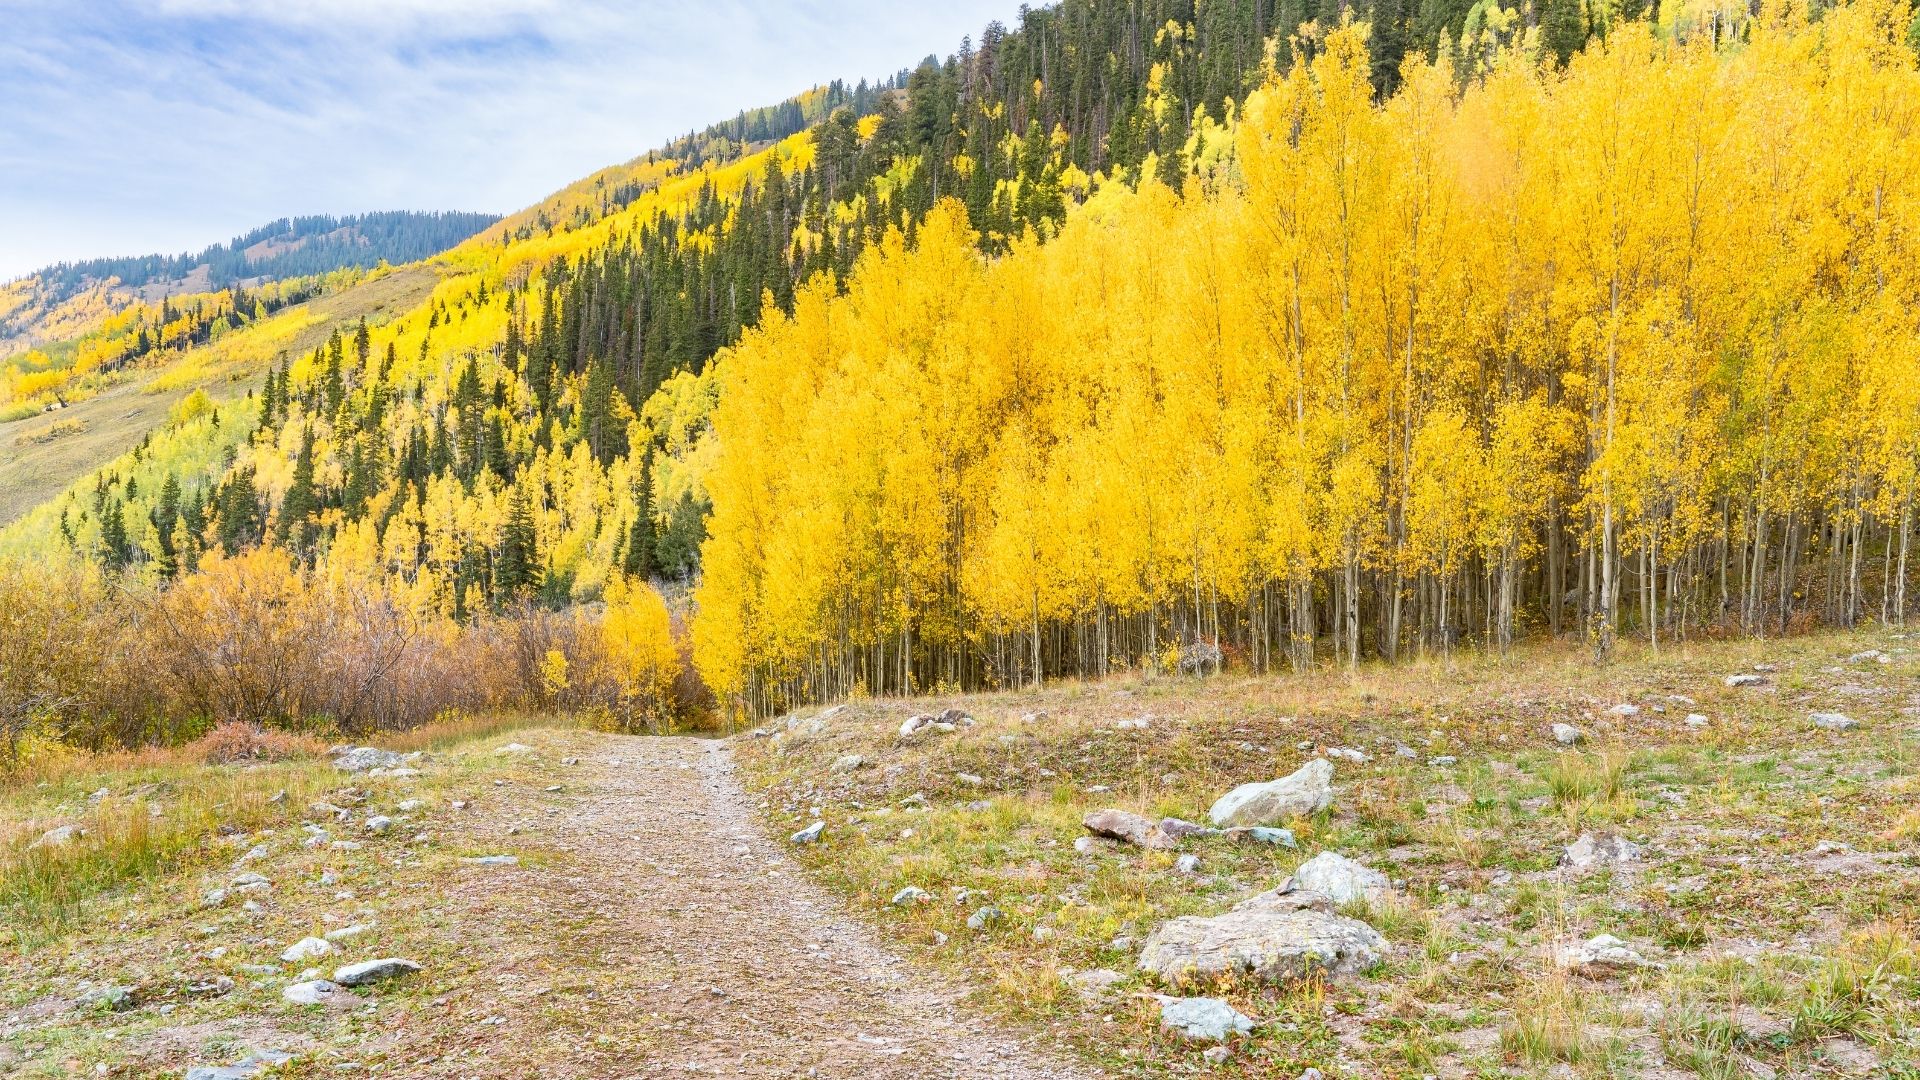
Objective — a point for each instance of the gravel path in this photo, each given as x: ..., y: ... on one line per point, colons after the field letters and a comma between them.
x: 675, y: 938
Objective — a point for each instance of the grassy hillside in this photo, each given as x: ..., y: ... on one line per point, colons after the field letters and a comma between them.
x: 1770, y: 897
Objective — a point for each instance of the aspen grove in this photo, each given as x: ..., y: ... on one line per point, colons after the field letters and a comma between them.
x: 1628, y: 347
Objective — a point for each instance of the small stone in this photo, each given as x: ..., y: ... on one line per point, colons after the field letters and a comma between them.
x: 253, y: 854
x: 1746, y: 680
x: 252, y: 1065
x: 312, y: 992
x: 1086, y: 845
x: 1602, y: 955
x: 1180, y: 830
x: 1344, y: 753
x: 1217, y: 1055
x: 1595, y: 850
x: 1187, y: 864
x: 1567, y: 734
x: 1697, y: 720
x: 1131, y: 828
x: 985, y: 917
x: 307, y: 948
x: 809, y: 834
x: 1833, y: 721
x: 914, y: 725
x: 372, y: 971
x: 492, y: 860
x: 1096, y: 983
x: 910, y: 895
x: 848, y: 762
x: 379, y: 823
x: 1624, y: 710
x: 1443, y: 761
x: 1266, y: 834
x: 969, y: 779
x: 58, y: 838
x: 113, y: 998
x: 1341, y: 879
x: 1405, y: 751
x: 980, y: 806
x: 1203, y: 1019
x: 408, y: 806
x: 1043, y: 933
x: 516, y: 748
x: 250, y: 882
x: 347, y: 933
x: 363, y: 758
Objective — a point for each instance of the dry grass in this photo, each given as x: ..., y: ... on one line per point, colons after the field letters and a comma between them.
x: 1725, y: 816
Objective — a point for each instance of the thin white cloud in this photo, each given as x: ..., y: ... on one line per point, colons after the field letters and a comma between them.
x: 170, y: 124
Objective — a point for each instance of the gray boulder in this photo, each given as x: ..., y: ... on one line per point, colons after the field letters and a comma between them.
x: 356, y: 759
x: 368, y: 972
x: 1203, y: 1019
x: 1833, y: 721
x: 1340, y: 879
x: 1567, y: 734
x: 1275, y: 937
x: 1307, y: 791
x: 809, y: 834
x: 1738, y: 681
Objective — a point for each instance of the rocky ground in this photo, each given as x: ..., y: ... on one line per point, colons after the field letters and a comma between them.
x: 556, y: 904
x: 1697, y: 863
x: 1701, y: 863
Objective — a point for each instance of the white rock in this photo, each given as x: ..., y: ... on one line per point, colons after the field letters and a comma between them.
x: 1307, y: 791
x: 362, y: 758
x: 1096, y: 983
x: 379, y: 823
x: 1340, y: 879
x: 1275, y: 937
x: 1624, y: 709
x: 1833, y: 721
x: 1202, y: 1019
x: 1602, y: 955
x: 1746, y: 680
x: 493, y: 860
x: 809, y: 834
x: 515, y: 748
x: 1567, y: 734
x: 58, y: 838
x: 1187, y: 864
x: 1348, y: 754
x: 312, y: 992
x: 307, y: 948
x: 1697, y: 720
x: 1592, y: 851
x: 911, y: 894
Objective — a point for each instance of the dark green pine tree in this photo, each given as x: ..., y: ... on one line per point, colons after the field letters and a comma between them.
x: 165, y: 515
x: 1563, y: 28
x: 517, y: 572
x: 114, y: 551
x: 638, y: 560
x: 295, y: 527
x: 241, y: 521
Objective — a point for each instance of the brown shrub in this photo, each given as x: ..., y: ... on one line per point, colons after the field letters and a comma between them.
x: 237, y: 741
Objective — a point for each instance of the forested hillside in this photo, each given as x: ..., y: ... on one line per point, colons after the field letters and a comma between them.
x: 1142, y: 333
x: 288, y: 248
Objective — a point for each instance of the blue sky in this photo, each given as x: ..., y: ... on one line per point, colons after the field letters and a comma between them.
x: 130, y: 126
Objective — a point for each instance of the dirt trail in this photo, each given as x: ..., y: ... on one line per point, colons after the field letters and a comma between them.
x: 671, y: 936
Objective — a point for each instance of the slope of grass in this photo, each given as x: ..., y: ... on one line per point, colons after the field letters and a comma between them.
x: 1774, y: 951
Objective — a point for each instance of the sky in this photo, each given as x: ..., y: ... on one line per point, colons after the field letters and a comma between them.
x: 137, y: 126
